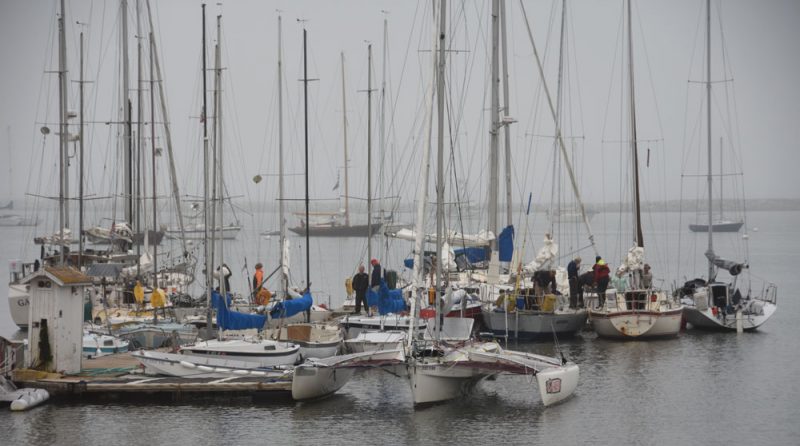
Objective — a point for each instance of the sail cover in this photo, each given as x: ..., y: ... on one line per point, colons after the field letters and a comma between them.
x: 505, y: 243
x: 387, y: 301
x: 233, y: 320
x: 289, y: 308
x: 729, y: 265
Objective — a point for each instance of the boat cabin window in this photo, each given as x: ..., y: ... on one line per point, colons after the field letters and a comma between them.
x: 635, y: 300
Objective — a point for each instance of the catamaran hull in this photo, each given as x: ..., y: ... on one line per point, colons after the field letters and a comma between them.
x: 310, y: 383
x: 186, y: 366
x: 534, y: 325
x: 707, y: 320
x: 558, y: 383
x: 637, y: 324
x: 435, y: 383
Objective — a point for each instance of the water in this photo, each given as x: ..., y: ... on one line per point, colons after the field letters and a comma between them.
x: 700, y: 388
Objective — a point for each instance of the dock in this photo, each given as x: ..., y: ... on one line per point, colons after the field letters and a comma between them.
x: 118, y: 377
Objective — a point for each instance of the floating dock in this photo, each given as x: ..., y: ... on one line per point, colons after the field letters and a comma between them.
x: 119, y: 377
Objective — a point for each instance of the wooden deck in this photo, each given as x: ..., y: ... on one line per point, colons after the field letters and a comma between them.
x: 119, y: 377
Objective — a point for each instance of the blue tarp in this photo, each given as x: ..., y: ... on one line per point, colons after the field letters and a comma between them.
x: 233, y: 320
x: 387, y: 301
x: 506, y: 244
x: 473, y: 255
x: 289, y: 308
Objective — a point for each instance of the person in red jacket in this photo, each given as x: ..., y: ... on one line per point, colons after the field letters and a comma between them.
x: 601, y: 278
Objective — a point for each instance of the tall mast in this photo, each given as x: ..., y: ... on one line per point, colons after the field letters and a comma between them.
x: 282, y: 243
x: 137, y: 227
x: 494, y: 168
x: 205, y: 186
x: 153, y: 155
x: 305, y: 130
x: 126, y: 138
x: 63, y: 214
x: 509, y: 216
x: 369, y: 151
x: 80, y: 168
x: 422, y: 202
x: 168, y: 136
x: 344, y: 131
x: 219, y: 175
x: 382, y: 131
x: 634, y: 147
x: 440, y: 162
x: 555, y: 193
x: 721, y: 175
x: 708, y: 117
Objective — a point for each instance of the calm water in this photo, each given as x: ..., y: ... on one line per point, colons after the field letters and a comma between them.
x: 700, y: 388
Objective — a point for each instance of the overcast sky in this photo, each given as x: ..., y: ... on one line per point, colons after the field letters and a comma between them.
x: 762, y: 56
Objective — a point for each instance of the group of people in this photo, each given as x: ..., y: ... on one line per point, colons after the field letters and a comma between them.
x: 598, y: 278
x: 363, y: 281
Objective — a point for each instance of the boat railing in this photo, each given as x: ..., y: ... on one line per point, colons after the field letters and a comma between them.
x: 771, y: 293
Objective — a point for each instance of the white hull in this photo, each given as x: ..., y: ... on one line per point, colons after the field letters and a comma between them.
x: 262, y: 353
x: 437, y: 381
x: 18, y: 302
x: 354, y: 325
x: 637, y: 314
x: 187, y: 366
x: 370, y: 341
x: 96, y: 345
x: 528, y: 324
x: 706, y: 319
x: 198, y: 233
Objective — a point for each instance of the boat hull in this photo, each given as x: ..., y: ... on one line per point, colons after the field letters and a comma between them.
x: 18, y: 302
x: 338, y: 230
x: 733, y: 226
x: 707, y: 320
x: 534, y: 324
x: 637, y: 324
x: 433, y: 383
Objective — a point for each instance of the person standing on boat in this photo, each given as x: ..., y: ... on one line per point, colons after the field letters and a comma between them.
x: 258, y: 278
x: 575, y: 290
x: 377, y: 275
x: 601, y: 279
x: 360, y: 286
x: 647, y: 277
x: 620, y: 282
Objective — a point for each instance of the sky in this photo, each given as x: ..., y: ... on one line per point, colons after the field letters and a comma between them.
x: 762, y: 63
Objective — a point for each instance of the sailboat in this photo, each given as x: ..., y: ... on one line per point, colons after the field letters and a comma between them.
x: 720, y: 224
x: 642, y: 311
x: 337, y: 224
x: 714, y: 304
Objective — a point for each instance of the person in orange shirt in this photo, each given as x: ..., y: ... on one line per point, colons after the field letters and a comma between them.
x: 258, y: 278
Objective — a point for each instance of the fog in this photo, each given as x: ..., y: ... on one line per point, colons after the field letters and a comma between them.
x: 756, y: 101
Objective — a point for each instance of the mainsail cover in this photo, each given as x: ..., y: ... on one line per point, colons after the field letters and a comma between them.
x: 233, y: 320
x: 290, y: 307
x: 729, y: 265
x: 505, y: 243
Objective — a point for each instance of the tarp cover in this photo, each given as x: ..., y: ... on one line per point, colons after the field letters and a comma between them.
x: 233, y: 320
x: 387, y: 301
x: 289, y: 308
x: 505, y: 243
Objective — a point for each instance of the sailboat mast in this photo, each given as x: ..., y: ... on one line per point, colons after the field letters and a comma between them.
x: 153, y: 155
x: 305, y: 131
x: 369, y: 151
x: 494, y: 167
x: 721, y: 175
x: 128, y: 150
x: 382, y: 136
x: 344, y: 131
x: 220, y: 172
x: 63, y: 217
x: 507, y: 133
x: 440, y: 163
x: 708, y: 117
x: 555, y: 193
x: 634, y: 146
x: 205, y: 186
x: 168, y: 136
x: 281, y: 205
x: 80, y: 167
x: 139, y: 139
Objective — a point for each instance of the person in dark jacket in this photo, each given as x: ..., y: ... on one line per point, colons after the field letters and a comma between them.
x: 575, y: 290
x: 360, y: 286
x: 601, y: 279
x: 377, y: 275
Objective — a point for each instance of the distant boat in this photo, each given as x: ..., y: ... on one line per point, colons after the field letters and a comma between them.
x: 335, y: 228
x: 197, y: 232
x: 718, y: 226
x: 17, y: 220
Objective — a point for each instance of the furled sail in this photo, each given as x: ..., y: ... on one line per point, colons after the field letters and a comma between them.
x: 729, y: 265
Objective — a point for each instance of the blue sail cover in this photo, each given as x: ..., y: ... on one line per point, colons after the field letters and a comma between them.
x: 387, y: 301
x: 289, y: 308
x: 506, y: 243
x: 233, y: 320
x: 473, y: 255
